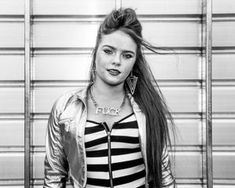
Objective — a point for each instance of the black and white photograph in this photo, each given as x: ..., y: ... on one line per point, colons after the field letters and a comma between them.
x: 117, y: 94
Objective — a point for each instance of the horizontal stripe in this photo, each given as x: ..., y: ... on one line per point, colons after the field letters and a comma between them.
x: 98, y: 147
x: 116, y: 151
x: 98, y: 167
x: 97, y: 153
x: 104, y: 175
x: 140, y: 183
x: 93, y: 129
x: 115, y: 159
x: 115, y: 166
x: 124, y: 145
x: 100, y: 182
x: 114, y: 145
x: 127, y: 179
x: 96, y: 142
x: 125, y: 139
x: 126, y: 125
x: 127, y: 164
x: 94, y: 160
x: 124, y: 151
x: 127, y: 171
x: 96, y: 135
x: 125, y: 132
x: 127, y: 157
x: 116, y: 181
x: 93, y: 186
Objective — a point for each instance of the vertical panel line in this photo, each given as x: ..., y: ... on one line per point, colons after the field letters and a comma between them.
x: 209, y: 157
x: 118, y: 4
x: 27, y: 95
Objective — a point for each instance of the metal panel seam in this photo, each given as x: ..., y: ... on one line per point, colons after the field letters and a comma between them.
x: 209, y: 157
x: 27, y: 95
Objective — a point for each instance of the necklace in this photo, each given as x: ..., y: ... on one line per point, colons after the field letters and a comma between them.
x: 112, y: 111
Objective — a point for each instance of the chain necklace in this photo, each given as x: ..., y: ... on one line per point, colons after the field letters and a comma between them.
x: 112, y: 111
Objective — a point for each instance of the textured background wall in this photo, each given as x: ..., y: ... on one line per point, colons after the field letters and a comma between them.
x: 62, y: 36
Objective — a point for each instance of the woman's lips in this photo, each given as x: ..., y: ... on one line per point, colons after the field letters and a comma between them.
x: 114, y: 72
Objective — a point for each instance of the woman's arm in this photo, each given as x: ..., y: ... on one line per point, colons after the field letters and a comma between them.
x: 56, y: 165
x: 168, y: 179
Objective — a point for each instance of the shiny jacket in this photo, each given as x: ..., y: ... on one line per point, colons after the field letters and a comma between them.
x: 65, y: 148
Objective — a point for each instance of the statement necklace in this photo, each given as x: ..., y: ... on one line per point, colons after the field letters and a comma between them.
x: 112, y: 111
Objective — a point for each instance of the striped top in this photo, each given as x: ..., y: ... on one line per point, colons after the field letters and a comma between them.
x: 114, y: 157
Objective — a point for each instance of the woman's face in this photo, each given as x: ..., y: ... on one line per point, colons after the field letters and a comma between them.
x: 115, y: 58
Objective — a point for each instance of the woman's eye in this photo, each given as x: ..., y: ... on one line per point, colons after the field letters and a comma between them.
x: 108, y: 51
x: 127, y: 56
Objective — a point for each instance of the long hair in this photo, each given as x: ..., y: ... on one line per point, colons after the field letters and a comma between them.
x: 147, y: 93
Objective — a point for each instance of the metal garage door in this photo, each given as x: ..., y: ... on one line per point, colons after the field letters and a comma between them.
x: 61, y: 36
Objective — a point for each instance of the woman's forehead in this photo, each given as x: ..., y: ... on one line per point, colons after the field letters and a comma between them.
x: 119, y: 40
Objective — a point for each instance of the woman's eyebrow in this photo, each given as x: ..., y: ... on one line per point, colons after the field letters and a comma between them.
x: 113, y: 48
x: 106, y: 45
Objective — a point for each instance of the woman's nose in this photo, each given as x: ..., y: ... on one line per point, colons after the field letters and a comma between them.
x: 117, y: 59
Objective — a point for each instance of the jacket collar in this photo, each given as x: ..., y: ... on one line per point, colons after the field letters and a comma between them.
x: 82, y: 94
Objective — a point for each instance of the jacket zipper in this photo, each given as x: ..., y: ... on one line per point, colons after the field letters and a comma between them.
x: 109, y: 153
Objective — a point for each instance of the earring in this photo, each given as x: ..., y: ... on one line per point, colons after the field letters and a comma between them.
x: 131, y: 82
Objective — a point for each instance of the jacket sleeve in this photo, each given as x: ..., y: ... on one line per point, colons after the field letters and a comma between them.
x: 167, y: 176
x: 55, y: 164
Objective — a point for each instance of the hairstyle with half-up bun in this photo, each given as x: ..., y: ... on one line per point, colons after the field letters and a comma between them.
x: 147, y: 94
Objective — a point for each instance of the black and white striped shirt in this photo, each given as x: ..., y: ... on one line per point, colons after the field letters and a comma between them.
x: 114, y: 157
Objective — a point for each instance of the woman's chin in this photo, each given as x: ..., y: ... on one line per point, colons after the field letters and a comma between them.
x: 114, y: 83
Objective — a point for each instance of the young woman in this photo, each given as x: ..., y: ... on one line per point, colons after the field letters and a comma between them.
x: 113, y: 133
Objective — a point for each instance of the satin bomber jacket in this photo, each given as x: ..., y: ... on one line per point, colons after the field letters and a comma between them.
x: 65, y: 148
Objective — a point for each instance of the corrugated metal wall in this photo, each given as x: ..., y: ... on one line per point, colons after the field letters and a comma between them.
x: 224, y: 92
x: 11, y: 92
x: 62, y: 36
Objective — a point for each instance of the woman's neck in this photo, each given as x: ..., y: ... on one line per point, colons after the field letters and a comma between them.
x: 107, y: 91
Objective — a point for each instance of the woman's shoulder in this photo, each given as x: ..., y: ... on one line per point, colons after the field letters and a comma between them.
x: 68, y: 98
